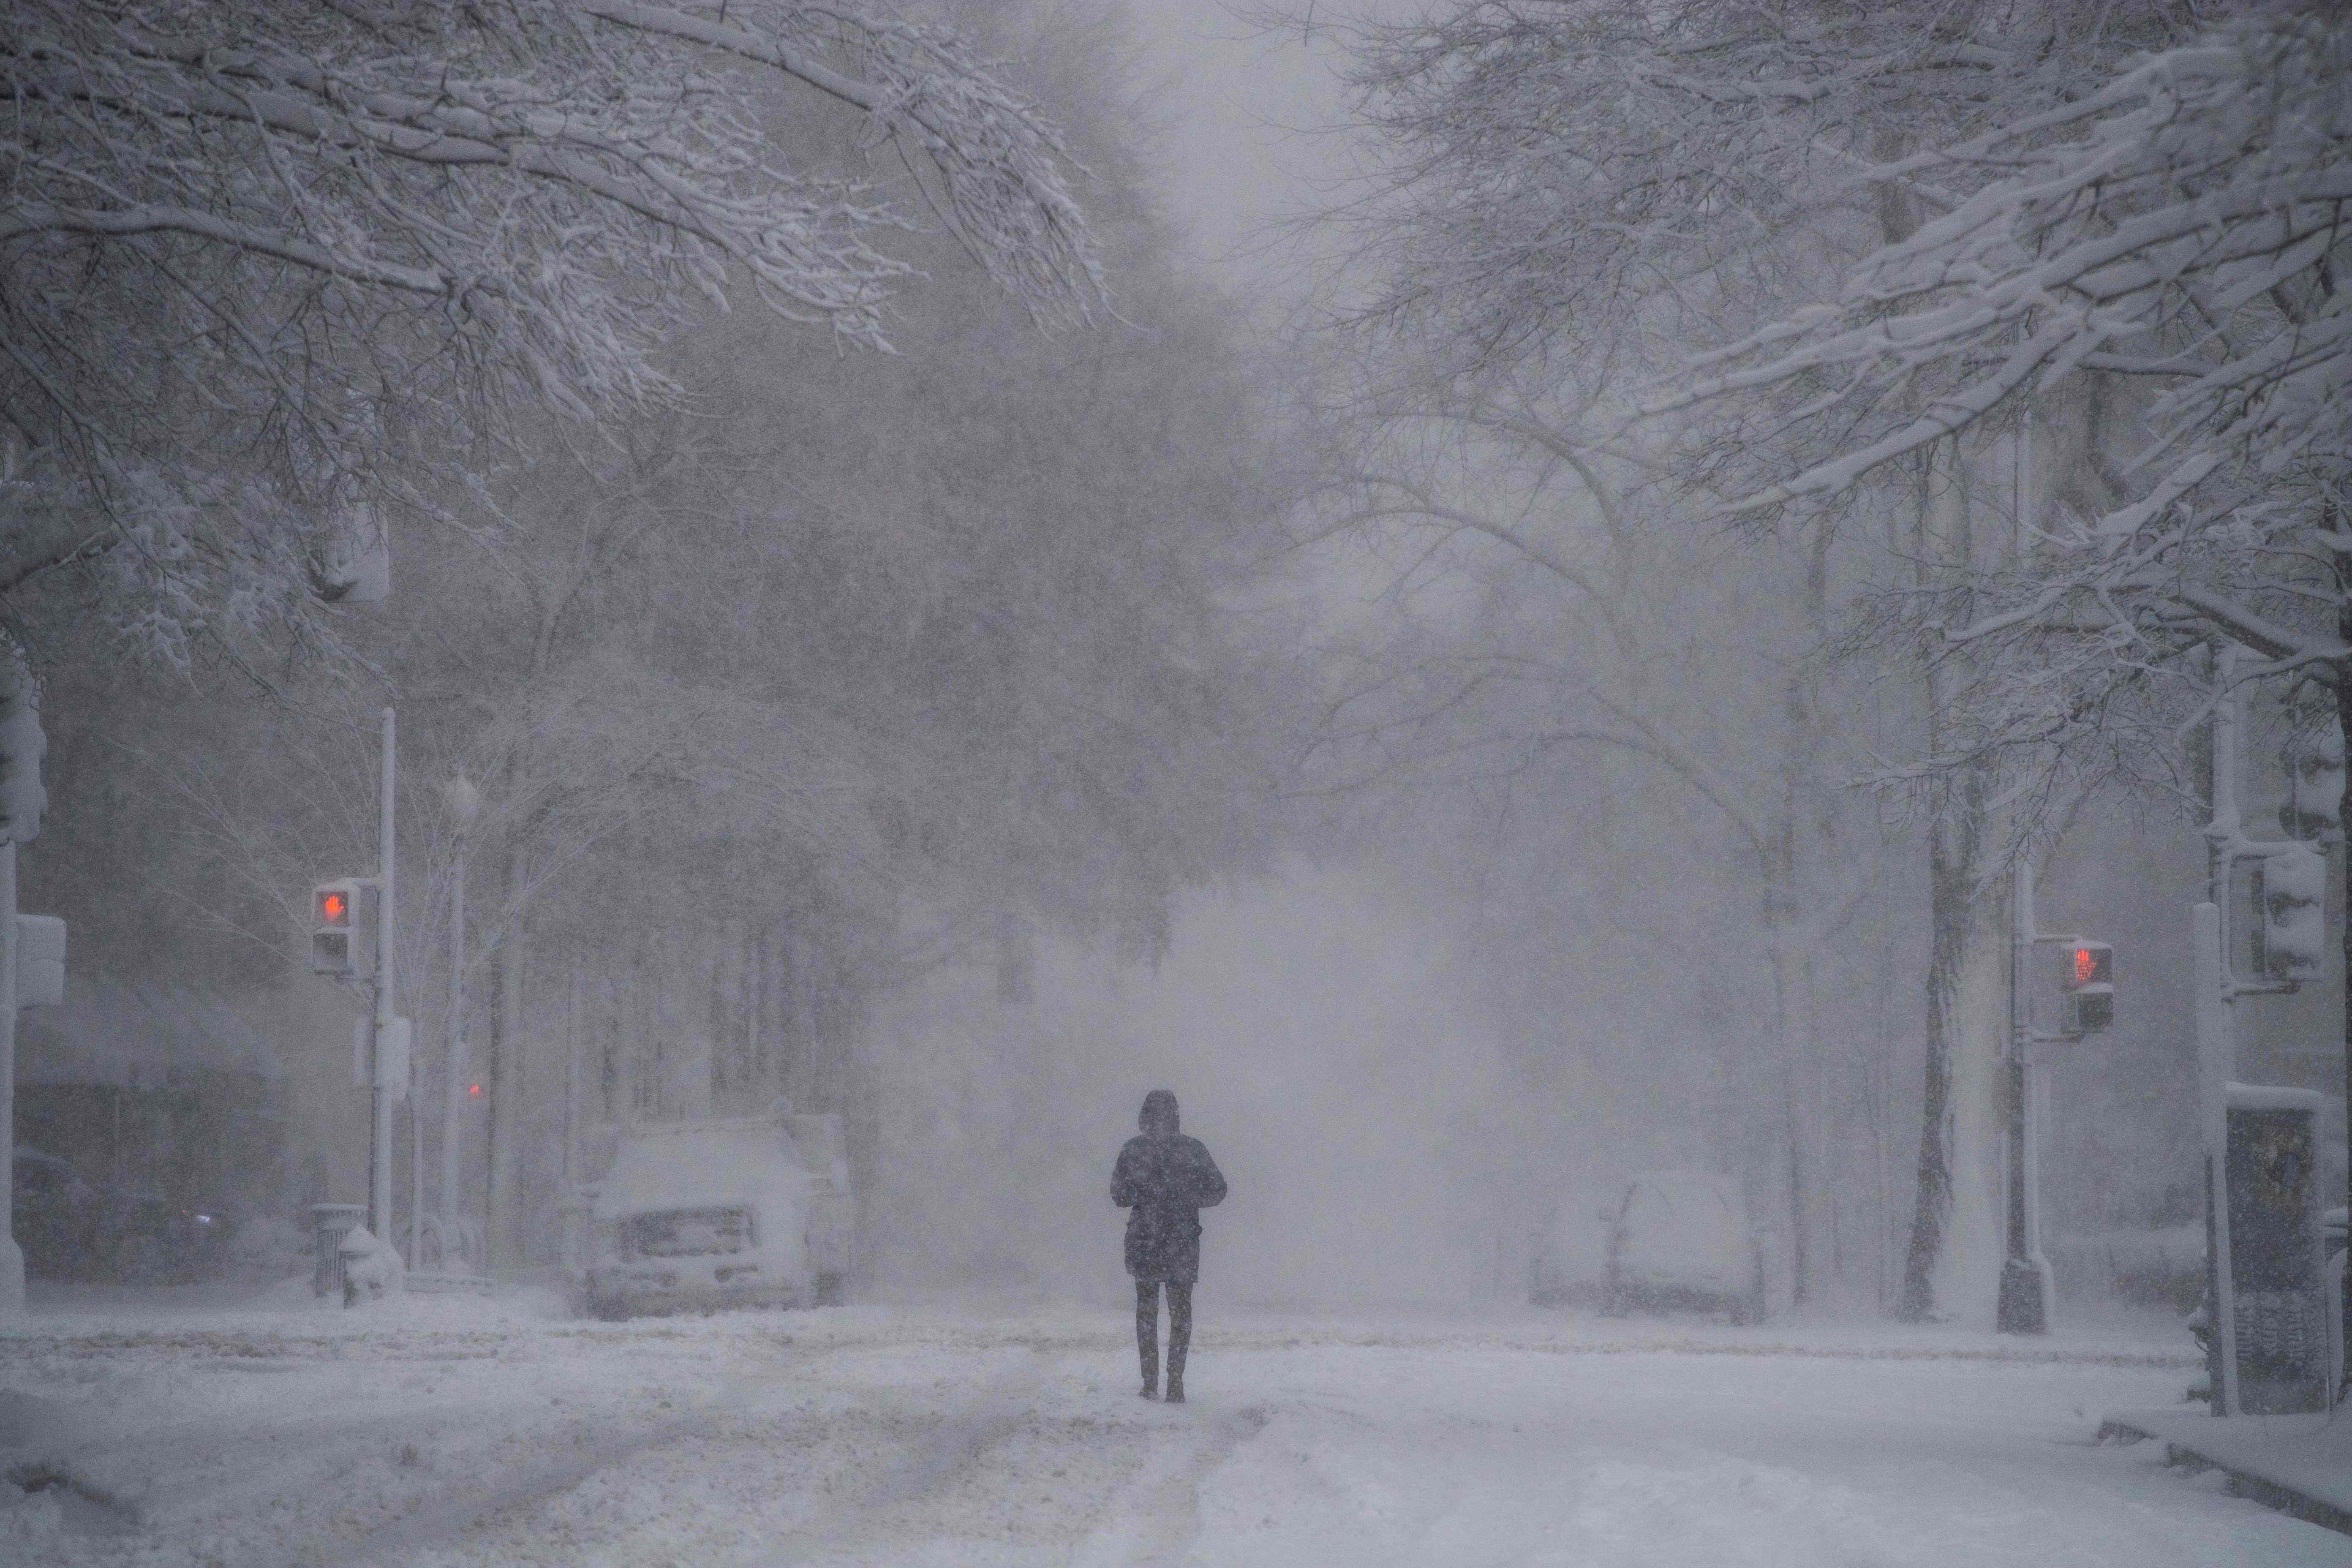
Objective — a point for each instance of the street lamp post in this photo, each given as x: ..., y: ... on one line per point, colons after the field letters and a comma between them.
x: 464, y: 803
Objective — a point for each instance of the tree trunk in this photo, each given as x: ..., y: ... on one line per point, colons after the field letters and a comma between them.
x: 802, y: 1079
x: 1952, y: 847
x: 2344, y: 817
x: 1957, y: 1244
x: 1792, y: 1171
x: 505, y: 1065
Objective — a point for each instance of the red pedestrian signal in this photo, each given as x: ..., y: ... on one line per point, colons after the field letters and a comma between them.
x: 2090, y: 1000
x: 342, y: 928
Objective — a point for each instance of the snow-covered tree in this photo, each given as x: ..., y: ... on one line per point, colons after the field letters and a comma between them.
x: 270, y: 273
x: 2139, y: 293
x: 831, y: 672
x: 2171, y: 246
x: 1564, y: 196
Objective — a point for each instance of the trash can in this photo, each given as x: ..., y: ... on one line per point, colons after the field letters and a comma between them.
x: 329, y: 1222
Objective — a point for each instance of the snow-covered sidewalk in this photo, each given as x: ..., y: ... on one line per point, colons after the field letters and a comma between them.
x: 451, y: 1430
x: 2301, y: 1463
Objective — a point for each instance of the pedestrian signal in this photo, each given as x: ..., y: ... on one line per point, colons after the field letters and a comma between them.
x: 2292, y: 892
x: 2089, y: 988
x: 342, y: 928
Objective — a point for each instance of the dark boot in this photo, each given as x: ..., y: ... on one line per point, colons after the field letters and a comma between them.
x: 1147, y: 1337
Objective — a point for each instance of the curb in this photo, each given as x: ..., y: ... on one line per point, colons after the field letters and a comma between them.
x: 2243, y: 1482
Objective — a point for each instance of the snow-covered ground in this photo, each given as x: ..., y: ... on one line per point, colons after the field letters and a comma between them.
x: 184, y: 1430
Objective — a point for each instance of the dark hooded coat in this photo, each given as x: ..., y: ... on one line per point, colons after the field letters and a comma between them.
x: 1164, y: 1180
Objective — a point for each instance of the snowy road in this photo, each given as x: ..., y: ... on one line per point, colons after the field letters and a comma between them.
x: 872, y: 1435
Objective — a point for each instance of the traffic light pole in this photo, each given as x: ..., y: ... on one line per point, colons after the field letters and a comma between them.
x: 2215, y: 1049
x: 2026, y: 1297
x: 380, y: 1096
x: 2218, y: 990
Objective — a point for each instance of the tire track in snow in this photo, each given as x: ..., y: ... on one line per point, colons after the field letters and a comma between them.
x: 491, y: 1522
x: 997, y: 1412
x: 465, y: 1510
x: 1156, y: 1515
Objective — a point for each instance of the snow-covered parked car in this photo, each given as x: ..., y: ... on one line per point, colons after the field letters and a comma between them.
x: 1682, y: 1239
x: 734, y: 1212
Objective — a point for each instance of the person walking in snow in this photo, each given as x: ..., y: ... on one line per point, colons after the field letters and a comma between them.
x: 1164, y: 1180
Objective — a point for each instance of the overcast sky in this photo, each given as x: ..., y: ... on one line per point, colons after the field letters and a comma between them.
x: 1253, y: 110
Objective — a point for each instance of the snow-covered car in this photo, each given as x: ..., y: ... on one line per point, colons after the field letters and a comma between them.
x: 736, y: 1212
x: 1681, y: 1239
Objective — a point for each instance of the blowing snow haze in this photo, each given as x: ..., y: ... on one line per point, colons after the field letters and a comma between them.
x: 660, y: 659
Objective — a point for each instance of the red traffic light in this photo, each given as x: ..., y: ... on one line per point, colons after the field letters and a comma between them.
x: 334, y: 907
x: 2091, y: 964
x: 474, y: 1088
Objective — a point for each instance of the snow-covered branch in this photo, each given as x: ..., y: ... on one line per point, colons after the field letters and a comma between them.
x: 311, y: 254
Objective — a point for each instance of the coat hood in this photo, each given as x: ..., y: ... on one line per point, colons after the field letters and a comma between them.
x: 1159, y: 1113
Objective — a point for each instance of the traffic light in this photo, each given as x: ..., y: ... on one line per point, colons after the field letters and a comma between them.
x: 342, y: 928
x: 2088, y: 988
x: 22, y: 744
x: 2291, y: 890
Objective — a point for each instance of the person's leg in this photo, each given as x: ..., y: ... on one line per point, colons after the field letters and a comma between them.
x: 1147, y: 1331
x: 1180, y: 1336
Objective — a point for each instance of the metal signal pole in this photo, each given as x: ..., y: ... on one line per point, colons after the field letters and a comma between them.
x: 379, y: 1095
